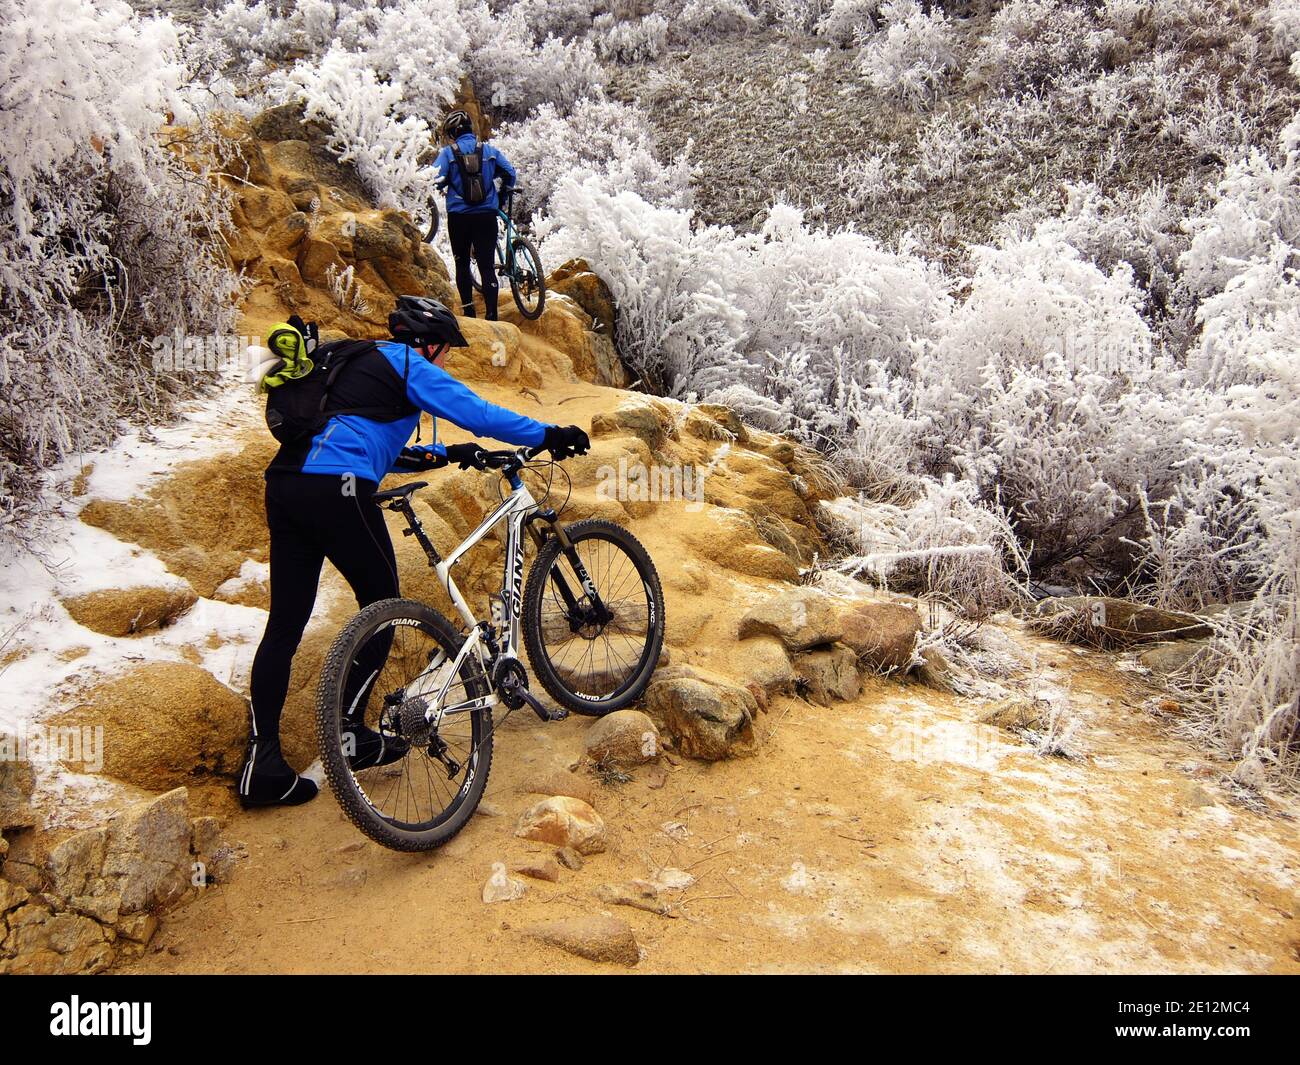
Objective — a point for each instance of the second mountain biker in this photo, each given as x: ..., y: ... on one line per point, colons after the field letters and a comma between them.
x: 470, y: 169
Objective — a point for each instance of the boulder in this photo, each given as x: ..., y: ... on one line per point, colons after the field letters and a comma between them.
x: 605, y: 939
x: 283, y: 123
x: 315, y: 259
x: 765, y: 661
x: 800, y: 618
x: 565, y: 822
x: 130, y: 611
x: 1100, y: 621
x: 707, y: 720
x: 882, y: 635
x: 383, y: 241
x: 165, y: 724
x: 625, y: 738
x: 1184, y: 658
x: 286, y: 234
x: 576, y: 279
x: 304, y: 193
x: 562, y: 782
x: 830, y: 674
x: 650, y: 420
x: 147, y: 851
x: 43, y: 942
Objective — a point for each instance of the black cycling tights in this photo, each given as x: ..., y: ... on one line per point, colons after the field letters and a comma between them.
x: 312, y: 517
x: 475, y: 233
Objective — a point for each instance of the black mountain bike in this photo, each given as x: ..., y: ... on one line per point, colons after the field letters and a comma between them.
x: 516, y: 258
x: 591, y: 616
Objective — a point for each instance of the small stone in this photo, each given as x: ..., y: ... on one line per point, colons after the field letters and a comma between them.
x: 624, y: 738
x: 349, y: 878
x: 563, y: 782
x: 501, y: 887
x: 540, y: 868
x: 566, y: 822
x: 489, y: 809
x: 351, y: 847
x: 569, y: 858
x: 656, y: 777
x: 605, y: 939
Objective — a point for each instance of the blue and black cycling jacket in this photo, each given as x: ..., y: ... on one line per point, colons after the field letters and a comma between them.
x: 395, y: 376
x: 495, y: 164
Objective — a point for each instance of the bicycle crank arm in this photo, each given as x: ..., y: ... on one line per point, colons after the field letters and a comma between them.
x: 518, y: 691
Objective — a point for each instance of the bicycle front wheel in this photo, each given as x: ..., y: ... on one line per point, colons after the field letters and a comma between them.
x: 404, y: 739
x: 594, y: 618
x: 527, y: 282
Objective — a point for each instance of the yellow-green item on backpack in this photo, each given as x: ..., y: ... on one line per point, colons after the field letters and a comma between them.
x: 288, y: 344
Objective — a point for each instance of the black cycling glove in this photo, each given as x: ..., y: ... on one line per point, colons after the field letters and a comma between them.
x: 564, y: 441
x: 466, y: 456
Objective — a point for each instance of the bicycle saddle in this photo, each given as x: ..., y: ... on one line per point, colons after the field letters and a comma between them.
x: 404, y: 492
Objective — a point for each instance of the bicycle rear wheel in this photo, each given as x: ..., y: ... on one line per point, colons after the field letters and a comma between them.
x: 528, y: 282
x: 592, y: 662
x: 391, y: 664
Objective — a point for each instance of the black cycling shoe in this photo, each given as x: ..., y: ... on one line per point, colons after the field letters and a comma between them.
x: 267, y: 780
x: 372, y: 749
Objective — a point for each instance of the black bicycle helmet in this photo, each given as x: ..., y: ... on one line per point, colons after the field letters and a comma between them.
x: 419, y: 320
x: 457, y: 123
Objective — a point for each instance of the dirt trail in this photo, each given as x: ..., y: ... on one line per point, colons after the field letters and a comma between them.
x: 830, y: 850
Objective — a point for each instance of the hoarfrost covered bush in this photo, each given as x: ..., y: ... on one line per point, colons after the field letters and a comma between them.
x: 945, y: 543
x: 630, y: 41
x: 913, y: 55
x: 367, y: 128
x: 848, y: 22
x: 414, y: 44
x: 1282, y: 19
x: 677, y: 325
x: 513, y: 73
x: 1033, y: 43
x: 105, y: 238
x: 598, y: 137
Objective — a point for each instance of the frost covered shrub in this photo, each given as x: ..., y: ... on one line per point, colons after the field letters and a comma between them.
x: 848, y: 22
x: 1033, y: 43
x: 913, y: 56
x: 415, y: 45
x: 1282, y: 20
x: 367, y: 128
x: 564, y: 19
x: 512, y: 73
x: 677, y: 325
x: 944, y: 543
x: 1030, y: 390
x: 1256, y: 204
x: 697, y: 20
x: 106, y: 234
x: 629, y: 41
x: 598, y: 137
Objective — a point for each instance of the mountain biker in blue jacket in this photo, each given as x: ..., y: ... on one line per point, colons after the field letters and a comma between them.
x: 319, y: 493
x: 472, y: 226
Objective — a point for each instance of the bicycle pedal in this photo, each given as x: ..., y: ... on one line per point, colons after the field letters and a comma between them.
x: 541, y: 711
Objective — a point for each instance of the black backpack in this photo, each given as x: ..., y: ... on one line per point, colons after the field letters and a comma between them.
x: 473, y: 182
x: 298, y: 409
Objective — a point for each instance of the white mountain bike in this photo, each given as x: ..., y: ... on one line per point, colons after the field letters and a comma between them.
x: 591, y: 616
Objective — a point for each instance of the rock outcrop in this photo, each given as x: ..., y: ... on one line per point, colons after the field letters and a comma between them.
x: 100, y: 890
x: 166, y: 724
